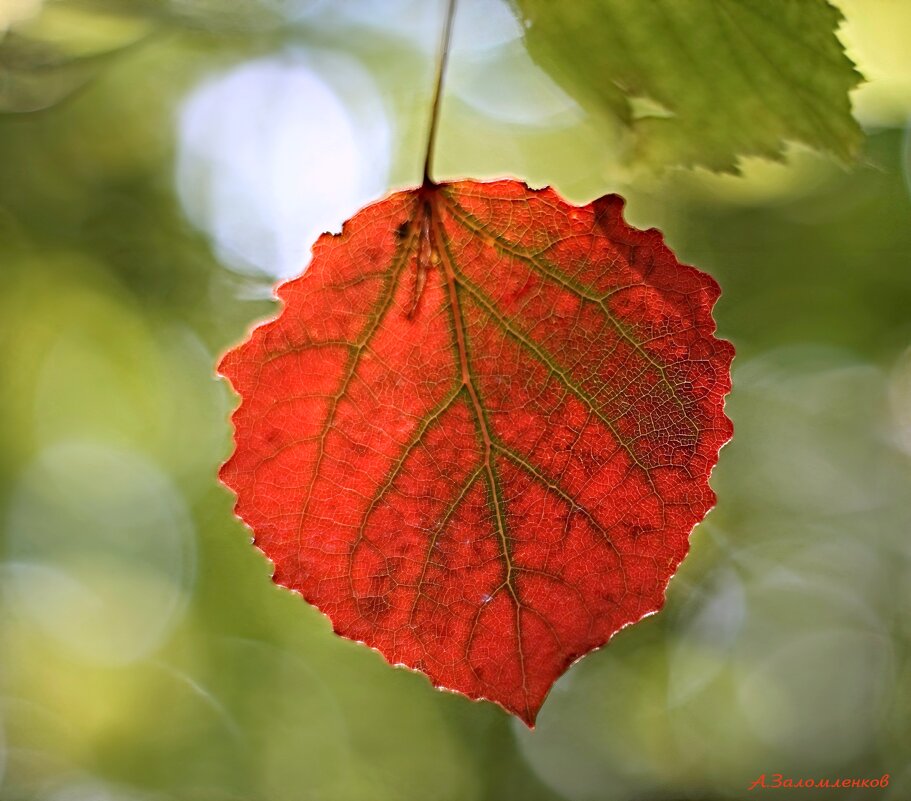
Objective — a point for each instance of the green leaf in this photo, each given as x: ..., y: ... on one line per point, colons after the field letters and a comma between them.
x: 703, y: 82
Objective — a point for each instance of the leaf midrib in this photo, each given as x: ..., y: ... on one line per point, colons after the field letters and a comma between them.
x: 458, y: 322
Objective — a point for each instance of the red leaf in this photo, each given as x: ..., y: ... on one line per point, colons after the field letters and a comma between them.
x: 480, y: 432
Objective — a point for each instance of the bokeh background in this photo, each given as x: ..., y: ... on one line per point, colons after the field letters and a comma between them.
x: 162, y: 164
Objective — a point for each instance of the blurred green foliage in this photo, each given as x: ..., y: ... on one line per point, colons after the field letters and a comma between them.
x: 145, y: 653
x: 703, y: 82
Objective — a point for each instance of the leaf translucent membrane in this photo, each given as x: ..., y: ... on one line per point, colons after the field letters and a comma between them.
x: 727, y: 78
x: 480, y: 432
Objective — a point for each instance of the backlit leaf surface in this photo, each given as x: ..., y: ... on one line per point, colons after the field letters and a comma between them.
x: 480, y: 432
x: 723, y: 78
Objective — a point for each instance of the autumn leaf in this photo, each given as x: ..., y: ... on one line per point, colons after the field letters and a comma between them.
x: 480, y: 432
x: 703, y: 82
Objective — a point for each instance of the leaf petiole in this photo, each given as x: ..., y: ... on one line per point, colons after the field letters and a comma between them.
x: 437, y: 91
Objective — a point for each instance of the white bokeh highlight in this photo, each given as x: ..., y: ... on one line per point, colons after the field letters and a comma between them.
x: 277, y: 151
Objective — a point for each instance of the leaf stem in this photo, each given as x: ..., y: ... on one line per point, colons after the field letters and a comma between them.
x: 442, y: 58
